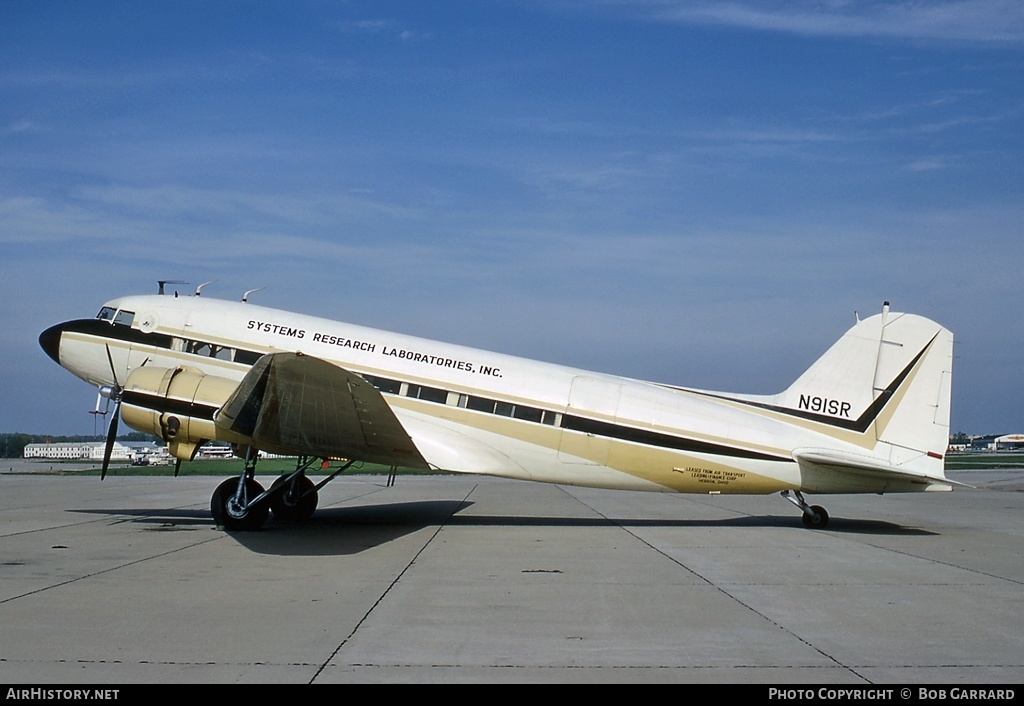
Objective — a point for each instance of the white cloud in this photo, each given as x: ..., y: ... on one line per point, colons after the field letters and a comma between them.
x: 956, y: 20
x: 926, y: 165
x: 20, y: 127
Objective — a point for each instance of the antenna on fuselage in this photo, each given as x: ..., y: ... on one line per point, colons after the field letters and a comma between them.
x: 245, y: 297
x: 162, y: 282
x: 199, y: 289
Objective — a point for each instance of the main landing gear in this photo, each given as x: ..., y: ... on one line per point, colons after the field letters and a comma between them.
x: 814, y: 516
x: 242, y: 504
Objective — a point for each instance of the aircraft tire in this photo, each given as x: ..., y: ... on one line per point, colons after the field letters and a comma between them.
x: 231, y: 518
x: 817, y: 520
x: 294, y: 511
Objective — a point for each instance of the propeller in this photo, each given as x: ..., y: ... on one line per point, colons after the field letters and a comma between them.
x: 114, y: 394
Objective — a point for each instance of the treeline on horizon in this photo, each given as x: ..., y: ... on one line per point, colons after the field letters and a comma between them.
x: 13, y: 445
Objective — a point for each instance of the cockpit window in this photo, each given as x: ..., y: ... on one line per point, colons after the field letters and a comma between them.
x: 119, y: 317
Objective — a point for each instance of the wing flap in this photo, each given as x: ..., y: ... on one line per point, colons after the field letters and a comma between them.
x: 290, y: 403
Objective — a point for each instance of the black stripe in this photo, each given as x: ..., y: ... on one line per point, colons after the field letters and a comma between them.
x: 158, y: 403
x: 105, y: 329
x: 653, y: 438
x: 861, y: 424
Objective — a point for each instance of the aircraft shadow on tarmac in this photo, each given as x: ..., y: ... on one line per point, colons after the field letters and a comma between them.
x: 341, y: 531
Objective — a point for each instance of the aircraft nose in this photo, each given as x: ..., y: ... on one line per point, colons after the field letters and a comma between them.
x: 49, y: 341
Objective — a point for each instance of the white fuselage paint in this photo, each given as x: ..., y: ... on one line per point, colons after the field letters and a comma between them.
x: 731, y: 446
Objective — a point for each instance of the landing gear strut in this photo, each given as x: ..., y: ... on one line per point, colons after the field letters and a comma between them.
x: 293, y: 498
x: 814, y: 517
x: 235, y: 503
x: 233, y: 506
x: 242, y: 503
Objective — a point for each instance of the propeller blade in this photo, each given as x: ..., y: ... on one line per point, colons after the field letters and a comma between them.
x: 111, y: 438
x: 115, y: 394
x: 113, y: 370
x: 177, y: 467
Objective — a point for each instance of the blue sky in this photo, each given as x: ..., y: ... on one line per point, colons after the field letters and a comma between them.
x: 700, y: 193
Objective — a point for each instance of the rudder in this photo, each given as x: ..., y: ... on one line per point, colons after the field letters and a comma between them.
x: 888, y: 378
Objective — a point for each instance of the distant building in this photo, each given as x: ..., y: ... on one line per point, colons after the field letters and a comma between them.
x: 1008, y: 441
x: 215, y: 450
x: 147, y: 450
x: 983, y: 443
x: 989, y: 442
x: 77, y: 451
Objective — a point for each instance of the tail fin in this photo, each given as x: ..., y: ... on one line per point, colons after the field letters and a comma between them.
x: 889, y: 379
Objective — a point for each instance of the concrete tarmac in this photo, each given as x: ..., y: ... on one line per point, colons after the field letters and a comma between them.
x: 474, y: 579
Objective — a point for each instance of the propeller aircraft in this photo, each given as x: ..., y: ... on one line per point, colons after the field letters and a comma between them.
x: 871, y: 415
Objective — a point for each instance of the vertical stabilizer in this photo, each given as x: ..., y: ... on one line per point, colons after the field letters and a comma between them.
x: 889, y: 379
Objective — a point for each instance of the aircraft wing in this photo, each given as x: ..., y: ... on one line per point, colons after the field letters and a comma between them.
x: 830, y: 460
x: 295, y: 404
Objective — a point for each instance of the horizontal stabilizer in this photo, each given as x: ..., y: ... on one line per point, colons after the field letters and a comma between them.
x: 831, y: 460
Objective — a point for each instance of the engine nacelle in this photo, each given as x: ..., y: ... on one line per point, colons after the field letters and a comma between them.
x: 178, y: 405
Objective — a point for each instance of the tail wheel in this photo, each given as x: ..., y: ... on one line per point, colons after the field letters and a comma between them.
x: 234, y: 513
x: 295, y: 502
x: 817, y: 518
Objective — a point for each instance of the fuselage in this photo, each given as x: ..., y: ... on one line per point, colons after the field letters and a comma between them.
x: 476, y: 411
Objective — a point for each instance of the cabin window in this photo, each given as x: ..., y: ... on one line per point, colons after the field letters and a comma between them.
x: 247, y: 357
x: 480, y: 404
x: 430, y: 394
x: 528, y: 414
x: 200, y: 348
x: 384, y: 384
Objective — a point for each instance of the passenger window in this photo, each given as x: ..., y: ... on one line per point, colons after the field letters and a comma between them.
x: 481, y: 404
x: 384, y: 385
x: 529, y: 414
x: 429, y: 394
x: 246, y: 357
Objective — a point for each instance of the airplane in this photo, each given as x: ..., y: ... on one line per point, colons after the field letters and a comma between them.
x: 871, y: 415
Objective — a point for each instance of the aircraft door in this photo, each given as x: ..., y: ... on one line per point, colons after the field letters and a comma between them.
x: 590, y: 398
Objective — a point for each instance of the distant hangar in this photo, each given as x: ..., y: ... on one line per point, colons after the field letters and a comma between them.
x: 1009, y: 441
x: 990, y: 442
